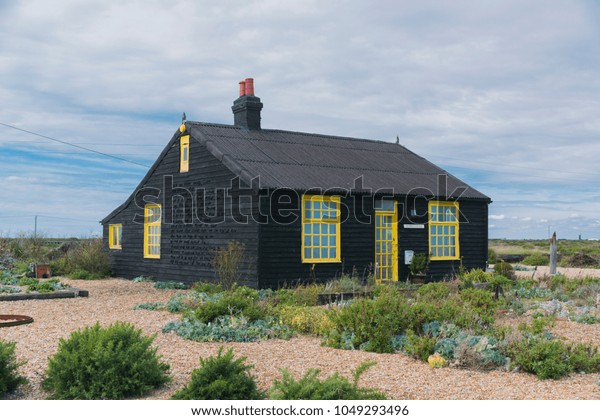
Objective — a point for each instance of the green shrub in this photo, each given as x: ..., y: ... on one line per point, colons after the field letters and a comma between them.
x: 477, y: 275
x: 221, y: 378
x: 419, y: 346
x: 584, y: 358
x: 239, y: 300
x: 548, y: 359
x: 58, y: 267
x: 208, y: 288
x: 105, y: 363
x: 301, y: 295
x: 371, y: 322
x: 9, y: 377
x: 492, y: 257
x: 433, y: 291
x: 536, y: 259
x: 504, y: 269
x: 87, y: 260
x: 479, y: 307
x: 334, y: 387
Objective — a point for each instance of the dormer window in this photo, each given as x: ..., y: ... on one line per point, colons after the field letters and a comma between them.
x: 184, y: 154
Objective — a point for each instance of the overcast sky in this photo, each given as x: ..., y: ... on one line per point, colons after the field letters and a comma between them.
x: 503, y: 94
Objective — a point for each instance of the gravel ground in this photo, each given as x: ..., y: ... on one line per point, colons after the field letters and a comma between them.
x: 397, y: 375
x: 541, y: 271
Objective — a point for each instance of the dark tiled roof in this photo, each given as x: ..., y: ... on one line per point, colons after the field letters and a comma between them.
x: 303, y: 161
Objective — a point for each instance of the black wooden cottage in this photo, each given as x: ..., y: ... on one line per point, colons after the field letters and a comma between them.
x: 306, y: 206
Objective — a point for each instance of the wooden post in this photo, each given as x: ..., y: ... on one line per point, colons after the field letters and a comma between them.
x: 553, y: 256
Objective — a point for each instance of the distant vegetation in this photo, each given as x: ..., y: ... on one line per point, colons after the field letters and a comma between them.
x: 72, y: 257
x: 571, y: 253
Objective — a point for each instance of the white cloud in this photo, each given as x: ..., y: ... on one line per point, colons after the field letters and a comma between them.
x: 508, y: 99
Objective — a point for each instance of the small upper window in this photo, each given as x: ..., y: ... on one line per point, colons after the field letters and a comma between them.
x: 184, y: 154
x: 115, y: 233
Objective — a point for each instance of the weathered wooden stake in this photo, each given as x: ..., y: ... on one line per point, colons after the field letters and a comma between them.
x: 553, y: 256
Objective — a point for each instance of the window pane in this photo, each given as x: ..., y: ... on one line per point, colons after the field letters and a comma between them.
x: 317, y: 214
x: 307, y: 214
x: 316, y: 228
x: 308, y: 204
x: 307, y: 253
x: 317, y: 205
x: 332, y: 229
x: 316, y: 240
x: 331, y: 240
x: 316, y: 253
x: 332, y: 253
x: 307, y: 241
x: 307, y: 227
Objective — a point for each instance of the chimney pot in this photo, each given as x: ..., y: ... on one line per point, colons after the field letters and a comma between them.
x: 246, y: 109
x: 249, y: 86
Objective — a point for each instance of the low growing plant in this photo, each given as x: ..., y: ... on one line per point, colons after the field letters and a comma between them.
x: 105, y: 363
x: 10, y: 379
x: 170, y: 285
x: 536, y: 259
x: 334, y: 387
x: 239, y: 300
x: 229, y: 328
x: 221, y: 377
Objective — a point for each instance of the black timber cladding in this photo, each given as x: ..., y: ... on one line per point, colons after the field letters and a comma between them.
x: 186, y: 248
x: 298, y: 162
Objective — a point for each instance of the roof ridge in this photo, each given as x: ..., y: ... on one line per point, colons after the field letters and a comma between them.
x: 300, y: 133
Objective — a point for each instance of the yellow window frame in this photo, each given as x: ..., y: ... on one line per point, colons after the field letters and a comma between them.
x: 184, y: 154
x: 321, y: 236
x: 152, y: 234
x: 444, y: 241
x: 386, y: 248
x: 115, y: 232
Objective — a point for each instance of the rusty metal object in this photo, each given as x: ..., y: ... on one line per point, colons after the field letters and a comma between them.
x: 13, y: 320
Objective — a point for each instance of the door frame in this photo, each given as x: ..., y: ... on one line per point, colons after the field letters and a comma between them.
x: 394, y: 240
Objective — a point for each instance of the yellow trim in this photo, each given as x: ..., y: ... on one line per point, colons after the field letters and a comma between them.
x: 184, y: 154
x: 321, y: 223
x: 114, y: 236
x: 152, y: 234
x: 443, y: 230
x: 389, y: 244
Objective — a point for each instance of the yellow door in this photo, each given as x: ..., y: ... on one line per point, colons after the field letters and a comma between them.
x: 386, y: 241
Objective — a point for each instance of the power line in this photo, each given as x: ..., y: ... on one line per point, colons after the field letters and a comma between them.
x: 74, y: 145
